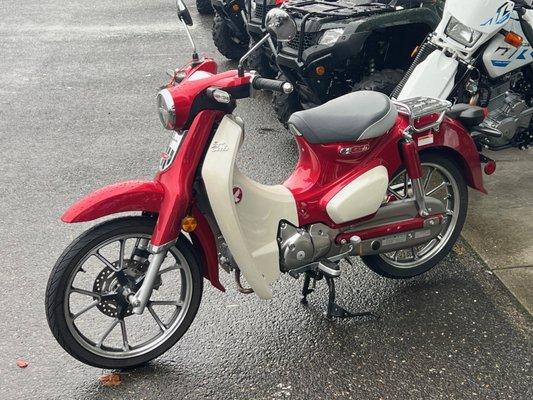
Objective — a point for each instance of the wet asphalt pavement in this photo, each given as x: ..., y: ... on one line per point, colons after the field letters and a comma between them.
x: 77, y: 88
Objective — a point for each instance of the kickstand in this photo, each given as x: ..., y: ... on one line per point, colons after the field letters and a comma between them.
x: 336, y: 311
x: 305, y: 290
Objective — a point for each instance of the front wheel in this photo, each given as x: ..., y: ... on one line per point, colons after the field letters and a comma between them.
x: 204, y: 7
x: 442, y: 180
x: 86, y: 306
x: 285, y: 104
x: 228, y: 42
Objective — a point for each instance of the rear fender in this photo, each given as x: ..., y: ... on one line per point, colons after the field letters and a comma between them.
x: 453, y: 140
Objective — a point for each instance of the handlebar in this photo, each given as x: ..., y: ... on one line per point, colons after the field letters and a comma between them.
x: 273, y: 85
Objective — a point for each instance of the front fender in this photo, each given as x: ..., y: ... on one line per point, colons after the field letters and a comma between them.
x: 116, y: 198
x: 144, y: 196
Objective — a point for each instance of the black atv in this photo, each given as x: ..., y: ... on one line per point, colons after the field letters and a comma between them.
x: 237, y: 25
x: 349, y: 45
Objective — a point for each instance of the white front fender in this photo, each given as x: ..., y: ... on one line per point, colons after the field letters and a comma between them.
x: 249, y: 220
x: 434, y: 77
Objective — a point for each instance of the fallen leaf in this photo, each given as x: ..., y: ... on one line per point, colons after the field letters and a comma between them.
x: 110, y: 380
x: 21, y: 363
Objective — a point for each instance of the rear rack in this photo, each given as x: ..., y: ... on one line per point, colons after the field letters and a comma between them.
x: 419, y: 107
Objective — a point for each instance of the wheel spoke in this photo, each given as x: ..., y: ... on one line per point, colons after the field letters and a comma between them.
x: 85, y: 309
x: 121, y: 253
x: 85, y: 292
x: 107, y: 332
x: 430, y: 174
x: 168, y: 269
x: 415, y: 255
x: 405, y: 185
x: 177, y: 303
x: 443, y: 184
x: 160, y: 323
x: 125, y: 343
x: 105, y: 261
x: 395, y: 194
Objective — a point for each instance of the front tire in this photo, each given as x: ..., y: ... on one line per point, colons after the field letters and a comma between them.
x: 226, y: 41
x: 259, y: 61
x: 204, y: 7
x: 409, y: 263
x: 88, y: 317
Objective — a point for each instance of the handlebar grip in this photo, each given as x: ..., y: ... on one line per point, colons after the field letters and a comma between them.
x: 272, y: 84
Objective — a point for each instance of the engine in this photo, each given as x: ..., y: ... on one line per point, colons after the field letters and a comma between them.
x: 511, y: 112
x: 299, y: 247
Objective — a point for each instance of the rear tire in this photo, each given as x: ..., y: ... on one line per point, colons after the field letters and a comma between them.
x: 384, y: 81
x: 387, y: 267
x: 285, y: 104
x: 204, y: 7
x: 226, y: 41
x: 59, y: 289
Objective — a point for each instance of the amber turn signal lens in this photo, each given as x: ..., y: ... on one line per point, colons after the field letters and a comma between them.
x: 514, y: 39
x: 415, y: 51
x: 189, y: 224
x: 236, y: 8
x: 320, y: 70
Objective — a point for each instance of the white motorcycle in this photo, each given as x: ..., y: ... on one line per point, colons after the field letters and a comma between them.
x: 481, y: 53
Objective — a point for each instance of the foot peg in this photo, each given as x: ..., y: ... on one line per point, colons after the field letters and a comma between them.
x: 329, y: 268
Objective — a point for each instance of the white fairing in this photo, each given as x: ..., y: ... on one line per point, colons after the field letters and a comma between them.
x: 501, y: 58
x: 434, y: 77
x: 360, y: 198
x: 250, y: 223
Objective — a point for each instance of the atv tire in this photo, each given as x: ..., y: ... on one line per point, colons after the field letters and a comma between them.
x: 285, y: 104
x: 384, y: 81
x: 259, y: 61
x: 226, y: 42
x: 204, y: 7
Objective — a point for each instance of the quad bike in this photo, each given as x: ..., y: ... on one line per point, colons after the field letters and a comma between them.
x: 239, y: 24
x: 482, y: 55
x: 349, y: 45
x: 386, y: 181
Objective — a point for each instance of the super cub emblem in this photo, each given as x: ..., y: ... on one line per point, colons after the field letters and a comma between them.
x: 237, y: 194
x: 219, y: 146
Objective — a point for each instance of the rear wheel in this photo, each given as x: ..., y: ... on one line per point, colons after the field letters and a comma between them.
x: 443, y: 181
x: 204, y: 7
x: 384, y: 81
x: 227, y: 41
x: 86, y: 306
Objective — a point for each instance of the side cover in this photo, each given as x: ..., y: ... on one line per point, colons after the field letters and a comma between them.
x: 248, y: 213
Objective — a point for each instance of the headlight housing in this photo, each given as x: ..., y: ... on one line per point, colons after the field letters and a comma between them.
x: 166, y: 110
x: 331, y: 36
x: 461, y: 33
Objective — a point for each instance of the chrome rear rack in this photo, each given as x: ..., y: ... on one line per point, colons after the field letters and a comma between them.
x: 419, y: 107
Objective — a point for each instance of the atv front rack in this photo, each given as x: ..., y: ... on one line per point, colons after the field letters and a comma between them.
x: 418, y: 108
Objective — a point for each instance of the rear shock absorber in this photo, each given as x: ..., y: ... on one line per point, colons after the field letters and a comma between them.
x: 424, y: 51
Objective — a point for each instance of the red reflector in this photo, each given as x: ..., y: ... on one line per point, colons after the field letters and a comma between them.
x: 486, y: 112
x: 490, y: 167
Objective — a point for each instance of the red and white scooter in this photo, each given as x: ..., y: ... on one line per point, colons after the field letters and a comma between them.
x: 381, y: 180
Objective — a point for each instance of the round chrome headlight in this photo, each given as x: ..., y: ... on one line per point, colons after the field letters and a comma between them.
x: 165, y: 107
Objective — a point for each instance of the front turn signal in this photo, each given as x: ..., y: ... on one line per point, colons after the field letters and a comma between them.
x: 514, y: 39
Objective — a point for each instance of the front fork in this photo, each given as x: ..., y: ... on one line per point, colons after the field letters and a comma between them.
x: 414, y: 172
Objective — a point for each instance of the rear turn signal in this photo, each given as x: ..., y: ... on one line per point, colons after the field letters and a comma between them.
x: 514, y: 39
x: 189, y: 224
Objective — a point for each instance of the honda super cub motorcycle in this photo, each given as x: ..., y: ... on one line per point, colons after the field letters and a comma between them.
x: 481, y: 53
x: 381, y: 180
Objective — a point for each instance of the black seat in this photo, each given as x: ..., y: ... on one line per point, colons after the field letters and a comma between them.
x: 469, y: 116
x: 352, y: 117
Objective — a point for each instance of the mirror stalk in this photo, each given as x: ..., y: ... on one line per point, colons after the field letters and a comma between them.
x: 252, y: 49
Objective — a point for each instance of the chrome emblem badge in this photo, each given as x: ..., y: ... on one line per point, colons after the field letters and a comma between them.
x: 219, y: 146
x: 237, y: 194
